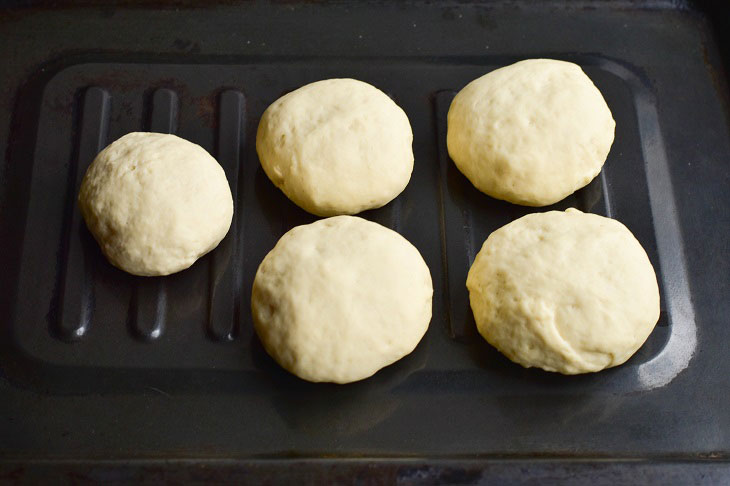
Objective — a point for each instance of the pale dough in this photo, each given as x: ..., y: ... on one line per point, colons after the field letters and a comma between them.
x: 338, y: 299
x: 155, y: 203
x: 530, y: 133
x: 337, y: 146
x: 564, y: 291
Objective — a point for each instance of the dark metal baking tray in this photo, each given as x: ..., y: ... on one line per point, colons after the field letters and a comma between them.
x: 98, y: 365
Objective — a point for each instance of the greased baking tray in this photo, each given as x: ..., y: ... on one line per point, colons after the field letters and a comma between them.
x: 99, y: 364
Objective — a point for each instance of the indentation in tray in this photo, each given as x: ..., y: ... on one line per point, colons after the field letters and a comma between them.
x: 81, y: 312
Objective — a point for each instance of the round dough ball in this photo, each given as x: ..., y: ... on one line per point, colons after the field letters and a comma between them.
x: 338, y: 146
x: 155, y: 203
x: 531, y: 133
x: 564, y: 291
x: 339, y: 299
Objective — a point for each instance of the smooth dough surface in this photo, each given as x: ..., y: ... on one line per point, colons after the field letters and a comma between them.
x: 337, y: 146
x: 530, y: 133
x: 339, y: 299
x: 155, y: 203
x: 564, y: 291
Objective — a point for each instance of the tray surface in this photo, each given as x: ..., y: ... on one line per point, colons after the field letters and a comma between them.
x: 170, y: 366
x: 107, y: 314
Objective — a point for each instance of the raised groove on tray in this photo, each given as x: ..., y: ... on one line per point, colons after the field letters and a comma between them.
x: 225, y: 267
x: 606, y: 198
x: 593, y: 197
x: 76, y: 289
x: 393, y: 211
x: 149, y: 296
x: 459, y: 251
x: 395, y: 214
x: 388, y: 215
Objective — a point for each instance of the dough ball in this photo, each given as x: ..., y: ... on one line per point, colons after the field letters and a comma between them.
x: 338, y: 146
x: 155, y: 203
x: 339, y: 299
x: 530, y: 133
x: 564, y: 291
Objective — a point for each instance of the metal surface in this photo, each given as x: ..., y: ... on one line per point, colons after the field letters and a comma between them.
x: 98, y: 364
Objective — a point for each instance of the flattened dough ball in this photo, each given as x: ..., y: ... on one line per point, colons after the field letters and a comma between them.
x: 155, y: 203
x: 564, y: 291
x: 338, y: 299
x: 530, y: 133
x: 337, y: 146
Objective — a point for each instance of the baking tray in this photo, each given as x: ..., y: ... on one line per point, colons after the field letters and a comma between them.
x: 99, y: 365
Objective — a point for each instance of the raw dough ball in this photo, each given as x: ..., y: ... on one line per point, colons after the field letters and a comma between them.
x: 530, y: 133
x: 564, y: 291
x: 155, y: 203
x: 339, y: 299
x: 338, y: 146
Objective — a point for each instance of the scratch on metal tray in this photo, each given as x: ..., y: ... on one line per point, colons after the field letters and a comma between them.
x: 159, y: 391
